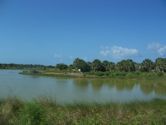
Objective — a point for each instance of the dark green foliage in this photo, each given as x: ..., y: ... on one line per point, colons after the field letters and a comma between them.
x: 109, y: 66
x: 62, y: 66
x: 161, y: 64
x: 147, y: 65
x: 160, y: 74
x: 126, y: 66
x: 98, y: 66
x: 81, y: 64
x: 24, y: 66
x: 35, y: 72
x: 106, y: 64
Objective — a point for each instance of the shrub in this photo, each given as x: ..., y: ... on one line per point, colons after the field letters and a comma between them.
x: 160, y: 74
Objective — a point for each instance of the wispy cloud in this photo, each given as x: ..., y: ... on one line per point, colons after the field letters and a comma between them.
x: 123, y: 52
x: 118, y: 51
x: 158, y: 48
x: 58, y: 57
x: 105, y: 51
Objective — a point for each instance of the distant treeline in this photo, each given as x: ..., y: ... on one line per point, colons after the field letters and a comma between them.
x: 147, y: 65
x: 23, y: 66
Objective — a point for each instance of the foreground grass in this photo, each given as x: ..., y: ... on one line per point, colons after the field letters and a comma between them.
x: 45, y: 112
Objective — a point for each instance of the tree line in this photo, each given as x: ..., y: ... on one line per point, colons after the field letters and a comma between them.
x: 128, y: 65
x: 23, y: 66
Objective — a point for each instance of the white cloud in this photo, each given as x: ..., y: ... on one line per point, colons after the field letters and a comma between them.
x: 123, y: 52
x: 158, y: 48
x: 118, y: 51
x: 105, y: 51
x: 154, y: 46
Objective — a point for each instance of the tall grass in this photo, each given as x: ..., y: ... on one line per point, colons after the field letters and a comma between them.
x: 46, y: 112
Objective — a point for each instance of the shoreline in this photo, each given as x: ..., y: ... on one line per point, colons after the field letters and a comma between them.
x: 96, y: 75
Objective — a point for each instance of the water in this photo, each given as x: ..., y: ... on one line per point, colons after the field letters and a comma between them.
x: 79, y: 90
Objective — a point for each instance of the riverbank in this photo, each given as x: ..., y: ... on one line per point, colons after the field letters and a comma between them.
x: 53, y: 73
x: 47, y: 112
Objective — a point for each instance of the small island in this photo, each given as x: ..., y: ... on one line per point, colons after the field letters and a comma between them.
x: 102, y: 69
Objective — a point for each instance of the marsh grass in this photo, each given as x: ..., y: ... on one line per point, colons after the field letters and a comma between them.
x: 47, y: 112
x: 115, y: 74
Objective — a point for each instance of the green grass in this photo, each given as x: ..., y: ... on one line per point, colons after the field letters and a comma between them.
x: 125, y: 74
x: 46, y: 112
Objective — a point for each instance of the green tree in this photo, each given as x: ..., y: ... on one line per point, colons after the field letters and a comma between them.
x: 126, y: 65
x: 160, y: 64
x: 81, y: 64
x: 98, y: 66
x: 147, y: 65
x: 137, y: 66
x: 106, y: 65
x: 109, y: 66
x: 61, y: 66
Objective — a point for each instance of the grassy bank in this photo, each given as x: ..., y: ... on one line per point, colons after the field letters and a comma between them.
x: 55, y: 73
x: 45, y: 112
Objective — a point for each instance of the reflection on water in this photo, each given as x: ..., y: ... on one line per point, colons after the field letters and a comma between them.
x: 80, y: 90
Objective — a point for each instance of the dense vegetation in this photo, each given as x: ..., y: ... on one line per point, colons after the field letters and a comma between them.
x: 24, y: 66
x: 123, y: 66
x: 100, y: 66
x: 96, y: 68
x: 45, y: 112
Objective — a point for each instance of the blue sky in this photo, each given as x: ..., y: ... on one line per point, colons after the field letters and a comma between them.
x: 55, y: 31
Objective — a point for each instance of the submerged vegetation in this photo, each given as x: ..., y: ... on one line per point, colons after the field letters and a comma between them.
x: 46, y: 112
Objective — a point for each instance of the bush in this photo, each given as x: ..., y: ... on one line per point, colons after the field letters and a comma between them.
x: 35, y: 72
x: 160, y: 74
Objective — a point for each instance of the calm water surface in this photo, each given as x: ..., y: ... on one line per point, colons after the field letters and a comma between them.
x: 79, y: 90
